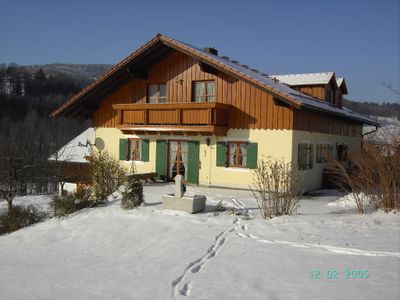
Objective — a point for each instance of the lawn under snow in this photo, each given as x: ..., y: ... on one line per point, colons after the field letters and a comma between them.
x: 150, y: 253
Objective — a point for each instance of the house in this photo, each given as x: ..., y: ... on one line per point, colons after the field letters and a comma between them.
x: 72, y: 167
x: 173, y: 108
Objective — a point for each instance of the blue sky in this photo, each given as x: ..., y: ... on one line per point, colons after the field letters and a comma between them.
x: 359, y: 40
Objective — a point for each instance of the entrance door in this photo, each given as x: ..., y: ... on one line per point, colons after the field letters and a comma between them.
x: 178, y: 159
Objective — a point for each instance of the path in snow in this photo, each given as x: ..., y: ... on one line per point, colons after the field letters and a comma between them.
x: 182, y: 285
x: 338, y: 250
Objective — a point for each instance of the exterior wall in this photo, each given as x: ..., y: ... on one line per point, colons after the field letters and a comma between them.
x: 316, y: 91
x: 275, y: 143
x: 312, y: 178
x: 252, y: 107
x: 108, y: 138
x: 279, y: 144
x: 306, y: 120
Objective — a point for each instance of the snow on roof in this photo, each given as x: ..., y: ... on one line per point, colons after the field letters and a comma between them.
x: 339, y: 81
x: 305, y: 79
x: 77, y: 148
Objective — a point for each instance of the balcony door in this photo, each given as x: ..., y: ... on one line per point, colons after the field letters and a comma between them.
x: 178, y: 159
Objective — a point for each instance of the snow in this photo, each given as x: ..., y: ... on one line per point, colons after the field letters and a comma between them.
x: 150, y: 253
x: 305, y: 78
x: 41, y: 201
x: 77, y: 149
x: 347, y: 201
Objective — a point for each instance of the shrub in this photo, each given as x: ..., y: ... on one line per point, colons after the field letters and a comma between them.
x: 276, y: 187
x: 68, y: 204
x: 20, y: 216
x: 374, y: 176
x: 106, y: 174
x: 133, y: 195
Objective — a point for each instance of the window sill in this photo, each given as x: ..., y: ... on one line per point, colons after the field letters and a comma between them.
x: 235, y: 169
x: 135, y: 162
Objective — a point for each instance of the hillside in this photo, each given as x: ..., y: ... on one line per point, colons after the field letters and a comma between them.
x: 374, y: 109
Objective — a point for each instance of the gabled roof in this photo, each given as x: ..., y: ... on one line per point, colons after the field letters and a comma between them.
x: 163, y: 43
x: 77, y: 149
x: 341, y: 83
x: 305, y: 78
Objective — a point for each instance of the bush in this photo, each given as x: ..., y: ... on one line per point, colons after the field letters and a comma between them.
x: 20, y: 216
x: 68, y: 204
x: 133, y: 195
x: 374, y: 176
x: 276, y: 187
x: 106, y: 174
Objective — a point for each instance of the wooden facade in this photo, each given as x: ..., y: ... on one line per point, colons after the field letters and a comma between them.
x: 249, y: 106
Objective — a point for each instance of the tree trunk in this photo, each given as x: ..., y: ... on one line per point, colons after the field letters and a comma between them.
x: 10, y: 205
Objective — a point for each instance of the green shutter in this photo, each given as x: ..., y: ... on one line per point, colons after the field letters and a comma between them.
x: 145, y: 150
x: 221, y: 154
x: 193, y: 162
x: 123, y: 149
x: 161, y: 159
x: 252, y: 149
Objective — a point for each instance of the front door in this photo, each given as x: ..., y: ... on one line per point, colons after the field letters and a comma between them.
x: 178, y: 159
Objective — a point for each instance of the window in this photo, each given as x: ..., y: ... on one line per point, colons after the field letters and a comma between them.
x: 134, y: 149
x: 304, y: 160
x: 157, y: 93
x: 324, y: 152
x: 204, y: 91
x: 237, y: 154
x: 342, y: 152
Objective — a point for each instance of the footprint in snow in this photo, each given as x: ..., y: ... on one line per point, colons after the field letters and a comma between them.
x: 185, y: 291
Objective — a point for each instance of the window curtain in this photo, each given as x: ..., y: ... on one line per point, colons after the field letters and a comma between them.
x: 243, y: 153
x: 232, y: 154
x: 153, y: 92
x: 198, y: 91
x: 184, y: 155
x: 210, y: 88
x: 173, y: 148
x: 131, y: 149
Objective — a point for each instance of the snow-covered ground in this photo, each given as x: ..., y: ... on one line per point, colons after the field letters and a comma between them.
x: 150, y: 253
x: 41, y: 201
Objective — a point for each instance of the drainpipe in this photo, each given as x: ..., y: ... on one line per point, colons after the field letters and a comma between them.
x: 364, y: 134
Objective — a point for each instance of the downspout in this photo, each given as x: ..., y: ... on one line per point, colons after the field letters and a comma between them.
x: 364, y: 134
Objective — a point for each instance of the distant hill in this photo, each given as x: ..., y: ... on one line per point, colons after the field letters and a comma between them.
x: 83, y: 73
x: 374, y: 109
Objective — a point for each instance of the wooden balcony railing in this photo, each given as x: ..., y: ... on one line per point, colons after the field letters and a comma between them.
x: 205, y: 118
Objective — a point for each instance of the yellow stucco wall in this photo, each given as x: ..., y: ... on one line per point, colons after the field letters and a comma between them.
x: 279, y: 144
x: 312, y: 178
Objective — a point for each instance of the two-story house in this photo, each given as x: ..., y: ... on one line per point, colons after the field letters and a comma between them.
x: 173, y: 108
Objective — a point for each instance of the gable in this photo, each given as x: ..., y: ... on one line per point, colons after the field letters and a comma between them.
x: 135, y: 65
x: 251, y: 107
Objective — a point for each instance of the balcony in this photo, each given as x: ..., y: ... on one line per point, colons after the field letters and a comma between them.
x: 196, y: 118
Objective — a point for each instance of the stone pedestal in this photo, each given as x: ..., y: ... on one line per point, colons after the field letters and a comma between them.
x: 190, y: 204
x: 177, y: 201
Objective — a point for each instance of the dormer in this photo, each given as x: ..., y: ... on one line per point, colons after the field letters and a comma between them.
x: 323, y: 86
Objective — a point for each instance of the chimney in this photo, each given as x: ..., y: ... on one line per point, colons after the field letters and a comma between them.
x: 211, y: 50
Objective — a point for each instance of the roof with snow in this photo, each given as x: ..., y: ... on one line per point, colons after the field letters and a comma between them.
x: 160, y: 45
x: 77, y: 149
x: 305, y: 79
